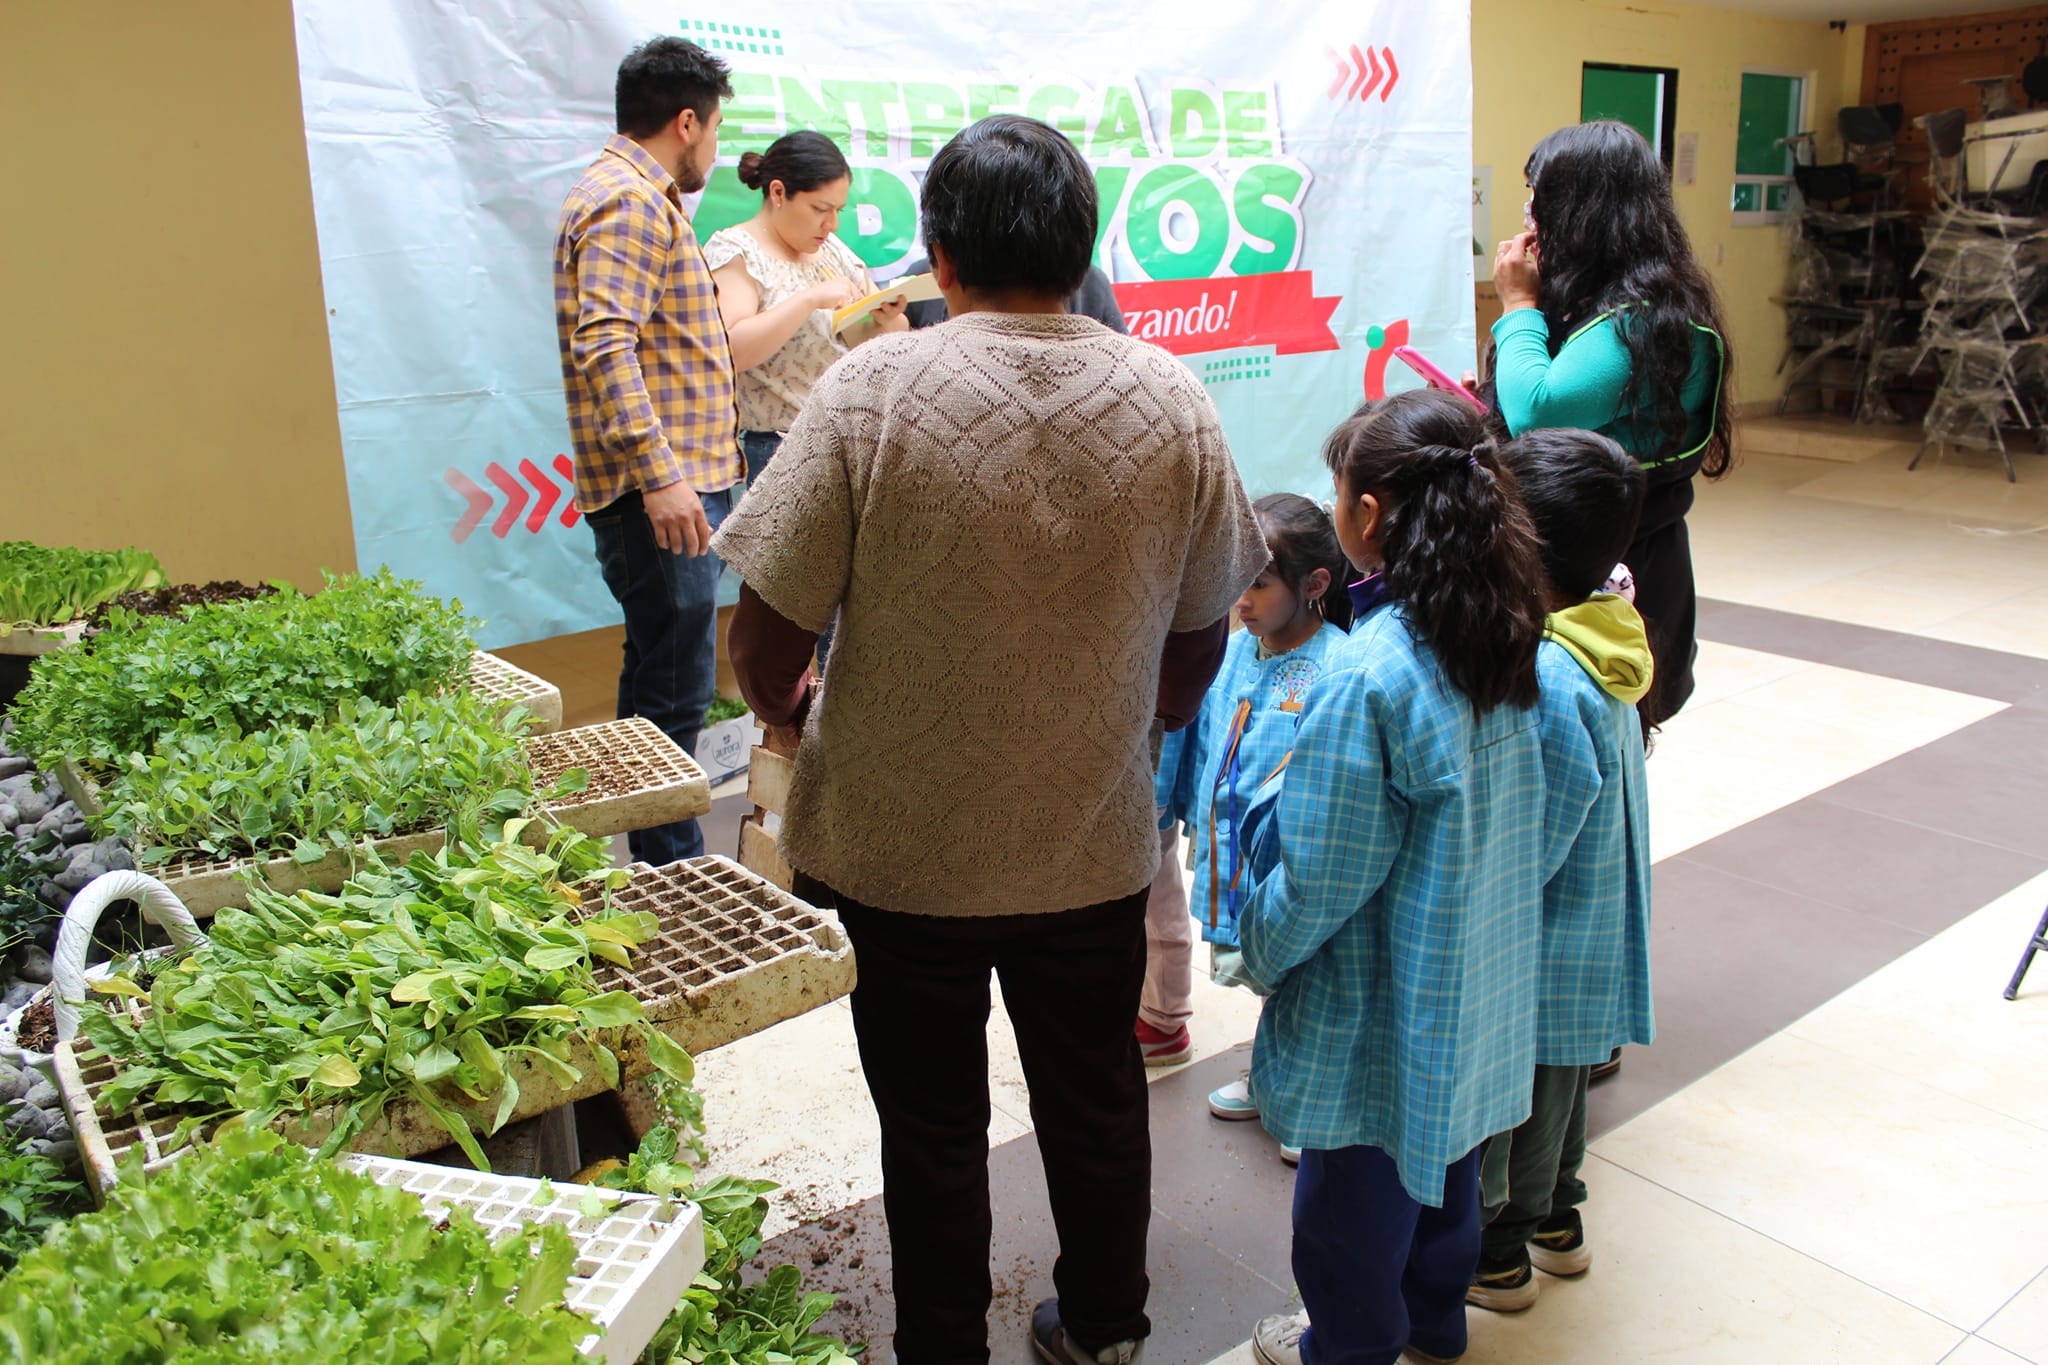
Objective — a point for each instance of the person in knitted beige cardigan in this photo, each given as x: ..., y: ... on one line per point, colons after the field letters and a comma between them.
x: 1032, y: 532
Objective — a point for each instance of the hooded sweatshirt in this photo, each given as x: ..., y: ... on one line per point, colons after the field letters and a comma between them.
x: 1594, y: 988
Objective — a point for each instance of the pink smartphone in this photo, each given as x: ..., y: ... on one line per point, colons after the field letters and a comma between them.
x: 1436, y: 378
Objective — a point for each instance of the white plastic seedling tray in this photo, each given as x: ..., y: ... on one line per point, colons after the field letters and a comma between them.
x: 634, y: 1256
x: 35, y: 641
x: 733, y: 954
x: 107, y: 1137
x: 493, y: 679
x: 638, y: 779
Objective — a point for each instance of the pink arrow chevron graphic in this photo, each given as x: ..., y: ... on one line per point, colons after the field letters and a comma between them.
x: 478, y: 500
x: 546, y: 492
x: 1360, y: 73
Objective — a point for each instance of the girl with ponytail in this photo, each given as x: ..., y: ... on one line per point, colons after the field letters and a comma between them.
x: 1396, y: 909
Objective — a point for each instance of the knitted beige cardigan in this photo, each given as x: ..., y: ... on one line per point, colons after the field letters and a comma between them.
x: 1010, y: 513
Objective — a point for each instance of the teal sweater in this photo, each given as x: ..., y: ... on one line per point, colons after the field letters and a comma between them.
x: 1586, y: 385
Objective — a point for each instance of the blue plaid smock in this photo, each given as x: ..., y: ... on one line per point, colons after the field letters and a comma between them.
x: 1399, y: 918
x: 1594, y: 994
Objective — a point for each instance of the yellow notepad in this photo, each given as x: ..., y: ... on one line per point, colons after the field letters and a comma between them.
x: 911, y: 289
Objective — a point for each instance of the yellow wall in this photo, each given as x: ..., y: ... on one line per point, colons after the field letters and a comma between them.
x: 165, y: 346
x: 1526, y: 61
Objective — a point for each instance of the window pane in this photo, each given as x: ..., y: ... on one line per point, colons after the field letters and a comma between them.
x: 1632, y: 97
x: 1775, y: 197
x: 1748, y: 198
x: 1770, y: 110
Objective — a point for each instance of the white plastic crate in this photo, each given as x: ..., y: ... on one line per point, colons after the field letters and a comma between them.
x: 638, y: 779
x: 634, y: 1259
x: 493, y: 679
x: 35, y: 641
x: 732, y: 954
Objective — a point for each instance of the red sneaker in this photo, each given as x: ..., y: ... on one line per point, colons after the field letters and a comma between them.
x: 1161, y: 1048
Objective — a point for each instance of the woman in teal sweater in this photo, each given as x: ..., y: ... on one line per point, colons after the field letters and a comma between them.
x: 1611, y: 325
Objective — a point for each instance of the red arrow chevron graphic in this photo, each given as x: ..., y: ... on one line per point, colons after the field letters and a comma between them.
x: 515, y: 497
x: 546, y: 495
x: 478, y: 500
x: 568, y: 473
x: 1393, y: 75
x: 1372, y: 84
x: 1358, y: 59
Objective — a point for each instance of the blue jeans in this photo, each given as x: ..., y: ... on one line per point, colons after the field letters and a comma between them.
x: 759, y: 447
x: 670, y: 672
x: 1377, y: 1270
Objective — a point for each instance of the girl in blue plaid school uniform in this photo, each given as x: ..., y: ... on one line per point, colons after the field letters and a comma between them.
x: 1396, y: 914
x: 1294, y: 614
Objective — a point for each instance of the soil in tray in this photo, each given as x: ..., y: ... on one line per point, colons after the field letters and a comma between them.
x: 37, y: 1031
x: 176, y: 598
x: 605, y: 782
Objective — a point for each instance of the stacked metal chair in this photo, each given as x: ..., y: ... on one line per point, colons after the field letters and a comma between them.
x: 1984, y: 274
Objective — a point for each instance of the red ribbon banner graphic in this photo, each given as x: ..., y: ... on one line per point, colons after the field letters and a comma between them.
x: 1191, y: 316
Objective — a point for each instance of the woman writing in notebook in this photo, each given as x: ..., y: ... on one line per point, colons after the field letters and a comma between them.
x: 780, y: 275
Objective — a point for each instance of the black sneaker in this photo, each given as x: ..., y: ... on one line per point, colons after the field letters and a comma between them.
x: 1559, y: 1246
x: 1504, y: 1284
x: 1052, y: 1343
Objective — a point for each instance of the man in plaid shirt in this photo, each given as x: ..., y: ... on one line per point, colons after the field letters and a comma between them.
x: 649, y: 380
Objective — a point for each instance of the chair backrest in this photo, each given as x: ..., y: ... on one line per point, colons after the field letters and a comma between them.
x: 2034, y: 80
x: 1825, y: 184
x: 1865, y: 125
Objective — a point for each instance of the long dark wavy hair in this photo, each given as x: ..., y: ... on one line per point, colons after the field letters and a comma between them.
x: 1461, y: 553
x: 1608, y: 237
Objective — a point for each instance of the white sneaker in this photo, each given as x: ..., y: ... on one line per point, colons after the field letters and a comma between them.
x: 1234, y: 1101
x: 1277, y: 1339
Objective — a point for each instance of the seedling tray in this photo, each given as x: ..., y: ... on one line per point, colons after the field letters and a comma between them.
x: 638, y: 779
x: 734, y: 953
x: 492, y: 679
x: 35, y: 641
x: 108, y: 1137
x: 634, y: 1257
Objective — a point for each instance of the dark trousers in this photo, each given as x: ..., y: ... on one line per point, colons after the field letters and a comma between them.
x: 920, y: 1011
x: 1379, y: 1271
x: 759, y: 447
x: 1662, y: 564
x: 670, y: 670
x: 1531, y: 1173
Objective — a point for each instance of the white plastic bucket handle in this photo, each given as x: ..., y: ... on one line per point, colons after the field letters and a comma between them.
x: 160, y: 905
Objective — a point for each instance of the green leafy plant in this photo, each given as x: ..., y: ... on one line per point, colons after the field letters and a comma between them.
x: 282, y: 660
x: 253, y: 1250
x: 451, y: 759
x: 428, y: 980
x: 722, y: 1320
x: 46, y: 585
x: 725, y: 709
x: 35, y: 1196
x: 25, y: 864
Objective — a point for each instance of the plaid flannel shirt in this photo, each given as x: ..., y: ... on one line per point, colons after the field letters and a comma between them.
x: 1594, y: 994
x: 1398, y: 914
x: 645, y: 362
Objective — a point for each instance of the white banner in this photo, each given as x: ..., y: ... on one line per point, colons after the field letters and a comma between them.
x: 1286, y: 196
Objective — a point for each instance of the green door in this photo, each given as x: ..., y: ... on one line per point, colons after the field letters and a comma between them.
x: 1637, y: 96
